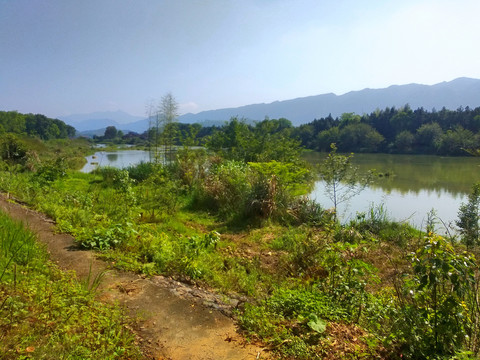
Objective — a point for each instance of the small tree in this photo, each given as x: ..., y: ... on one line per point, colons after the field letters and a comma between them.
x: 469, y: 218
x: 342, y: 179
x: 110, y: 133
x: 153, y: 127
x: 161, y: 123
x: 12, y: 150
x: 168, y: 113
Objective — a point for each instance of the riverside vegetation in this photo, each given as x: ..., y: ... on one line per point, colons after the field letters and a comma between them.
x: 234, y: 217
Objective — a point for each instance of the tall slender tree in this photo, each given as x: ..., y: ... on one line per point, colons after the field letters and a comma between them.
x: 168, y: 113
x: 153, y: 143
x: 161, y: 126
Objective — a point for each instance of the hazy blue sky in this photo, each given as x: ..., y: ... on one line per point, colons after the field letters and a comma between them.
x: 59, y: 57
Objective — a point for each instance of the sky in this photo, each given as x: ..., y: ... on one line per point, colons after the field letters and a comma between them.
x: 62, y: 57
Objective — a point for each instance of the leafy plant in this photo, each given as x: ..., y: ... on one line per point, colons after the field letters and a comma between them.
x: 106, y: 237
x: 51, y: 171
x: 12, y: 150
x: 342, y: 180
x: 433, y: 318
x: 469, y: 218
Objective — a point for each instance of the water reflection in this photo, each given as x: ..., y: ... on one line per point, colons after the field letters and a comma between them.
x: 415, y: 184
x: 414, y: 173
x: 118, y: 159
x: 112, y: 157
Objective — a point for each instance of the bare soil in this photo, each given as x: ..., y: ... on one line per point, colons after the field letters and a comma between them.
x: 173, y: 320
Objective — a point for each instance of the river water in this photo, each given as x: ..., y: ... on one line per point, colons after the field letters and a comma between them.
x: 416, y: 185
x: 119, y: 159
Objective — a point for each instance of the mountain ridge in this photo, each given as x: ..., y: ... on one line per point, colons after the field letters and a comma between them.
x: 452, y: 94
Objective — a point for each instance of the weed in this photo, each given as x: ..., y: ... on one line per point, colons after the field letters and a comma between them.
x: 45, y: 313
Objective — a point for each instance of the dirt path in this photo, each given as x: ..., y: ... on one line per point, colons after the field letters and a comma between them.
x: 175, y: 321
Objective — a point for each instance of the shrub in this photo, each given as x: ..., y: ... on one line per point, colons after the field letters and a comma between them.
x: 469, y: 218
x: 13, y: 150
x: 434, y: 316
x: 159, y: 193
x: 142, y: 171
x: 51, y: 171
x: 274, y: 187
x: 306, y: 211
x: 192, y: 166
x: 376, y: 222
x: 227, y: 187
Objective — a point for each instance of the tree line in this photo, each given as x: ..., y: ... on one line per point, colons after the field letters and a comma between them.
x: 35, y: 125
x: 402, y: 130
x: 392, y: 130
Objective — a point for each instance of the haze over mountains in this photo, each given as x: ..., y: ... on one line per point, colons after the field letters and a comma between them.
x: 453, y: 94
x: 100, y: 119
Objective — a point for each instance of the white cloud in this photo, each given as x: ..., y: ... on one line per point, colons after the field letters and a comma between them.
x: 188, y: 107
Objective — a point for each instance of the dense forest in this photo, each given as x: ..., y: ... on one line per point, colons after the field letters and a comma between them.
x: 403, y: 130
x: 34, y: 125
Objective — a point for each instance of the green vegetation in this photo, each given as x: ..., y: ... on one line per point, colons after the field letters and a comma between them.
x: 469, y: 218
x: 399, y: 131
x: 234, y: 217
x: 342, y: 179
x: 34, y: 125
x: 20, y: 153
x: 46, y: 314
x: 402, y: 130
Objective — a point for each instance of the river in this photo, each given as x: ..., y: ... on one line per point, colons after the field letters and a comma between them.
x: 416, y: 185
x: 118, y: 159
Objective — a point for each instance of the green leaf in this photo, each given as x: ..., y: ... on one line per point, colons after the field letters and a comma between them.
x: 317, y: 324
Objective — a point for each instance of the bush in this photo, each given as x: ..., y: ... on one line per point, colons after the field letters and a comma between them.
x: 51, y: 171
x: 306, y: 211
x: 376, y: 222
x: 469, y: 218
x: 192, y: 166
x: 159, y: 193
x: 142, y: 171
x: 227, y: 188
x: 13, y: 150
x: 436, y: 314
x: 275, y: 185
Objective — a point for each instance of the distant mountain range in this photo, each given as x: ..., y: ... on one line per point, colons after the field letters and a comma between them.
x: 453, y: 94
x: 101, y: 119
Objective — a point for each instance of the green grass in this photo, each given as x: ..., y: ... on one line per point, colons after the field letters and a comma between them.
x: 46, y: 313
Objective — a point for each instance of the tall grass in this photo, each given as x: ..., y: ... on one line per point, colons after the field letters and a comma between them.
x: 17, y: 246
x: 46, y: 313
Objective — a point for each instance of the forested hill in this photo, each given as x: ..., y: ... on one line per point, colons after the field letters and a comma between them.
x: 34, y: 125
x: 451, y: 95
x: 402, y: 130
